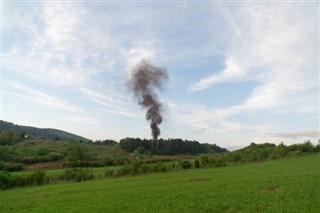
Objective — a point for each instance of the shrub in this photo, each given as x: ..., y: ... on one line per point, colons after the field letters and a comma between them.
x: 279, y: 152
x: 38, y: 178
x: 196, y: 163
x: 124, y: 170
x: 6, y: 180
x: 204, y: 160
x: 78, y: 174
x: 236, y: 157
x: 56, y: 156
x: 121, y: 161
x: 160, y: 160
x: 145, y: 168
x: 294, y: 153
x: 173, y: 165
x: 11, y: 167
x: 212, y: 161
x: 42, y: 152
x: 108, y: 173
x: 159, y: 167
x: 136, y: 166
x: 108, y: 161
x: 28, y: 159
x: 306, y: 147
x: 78, y: 152
x: 220, y: 163
x: 186, y: 164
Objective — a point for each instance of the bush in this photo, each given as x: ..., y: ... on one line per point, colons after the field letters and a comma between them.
x: 43, y: 152
x: 6, y: 180
x: 136, y: 166
x: 173, y: 165
x: 28, y: 159
x: 159, y: 167
x: 109, y: 161
x: 236, y: 157
x: 38, y: 178
x: 279, y: 152
x: 124, y: 170
x: 186, y: 165
x: 120, y: 161
x: 108, y: 173
x: 220, y: 163
x: 11, y: 167
x: 294, y: 153
x: 196, y: 163
x: 204, y: 160
x: 56, y: 156
x: 160, y: 160
x: 306, y: 147
x: 145, y: 168
x: 78, y: 174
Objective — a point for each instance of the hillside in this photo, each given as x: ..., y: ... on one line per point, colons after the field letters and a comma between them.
x: 40, y: 132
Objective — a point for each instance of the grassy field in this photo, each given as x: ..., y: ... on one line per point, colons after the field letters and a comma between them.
x: 287, y: 185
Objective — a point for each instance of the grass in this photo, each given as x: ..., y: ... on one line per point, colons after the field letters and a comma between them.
x: 287, y: 185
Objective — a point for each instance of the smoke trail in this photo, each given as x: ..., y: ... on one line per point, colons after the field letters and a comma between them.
x: 144, y: 80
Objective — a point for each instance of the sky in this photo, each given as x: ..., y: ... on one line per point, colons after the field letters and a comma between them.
x: 239, y: 72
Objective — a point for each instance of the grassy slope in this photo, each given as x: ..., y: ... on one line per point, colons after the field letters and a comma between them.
x: 289, y: 185
x: 97, y: 151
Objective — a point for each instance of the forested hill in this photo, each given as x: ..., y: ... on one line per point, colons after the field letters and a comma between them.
x: 39, y: 132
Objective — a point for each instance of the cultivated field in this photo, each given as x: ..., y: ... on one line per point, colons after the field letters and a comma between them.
x: 286, y: 185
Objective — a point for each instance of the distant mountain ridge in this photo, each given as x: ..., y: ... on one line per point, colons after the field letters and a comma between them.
x: 40, y: 132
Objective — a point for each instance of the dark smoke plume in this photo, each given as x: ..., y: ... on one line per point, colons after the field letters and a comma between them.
x: 144, y: 80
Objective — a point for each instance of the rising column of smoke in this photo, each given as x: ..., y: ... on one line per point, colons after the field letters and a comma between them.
x: 144, y: 80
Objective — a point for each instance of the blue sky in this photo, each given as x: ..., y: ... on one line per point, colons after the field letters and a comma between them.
x: 239, y: 72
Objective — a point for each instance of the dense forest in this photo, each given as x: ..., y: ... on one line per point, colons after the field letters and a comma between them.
x: 169, y: 146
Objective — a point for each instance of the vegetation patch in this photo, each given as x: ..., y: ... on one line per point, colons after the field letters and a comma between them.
x: 200, y: 179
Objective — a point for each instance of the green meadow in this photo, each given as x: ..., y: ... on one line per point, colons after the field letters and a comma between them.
x: 285, y: 185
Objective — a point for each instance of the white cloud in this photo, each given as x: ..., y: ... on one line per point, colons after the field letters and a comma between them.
x: 230, y: 18
x: 232, y: 71
x: 61, y: 22
x: 44, y: 99
x: 114, y: 103
x: 298, y: 134
x: 278, y: 50
x: 62, y: 48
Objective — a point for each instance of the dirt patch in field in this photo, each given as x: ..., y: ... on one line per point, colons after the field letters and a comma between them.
x: 48, y: 165
x: 199, y: 179
x: 273, y: 189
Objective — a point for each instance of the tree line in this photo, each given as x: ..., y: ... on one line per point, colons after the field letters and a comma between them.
x: 169, y: 146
